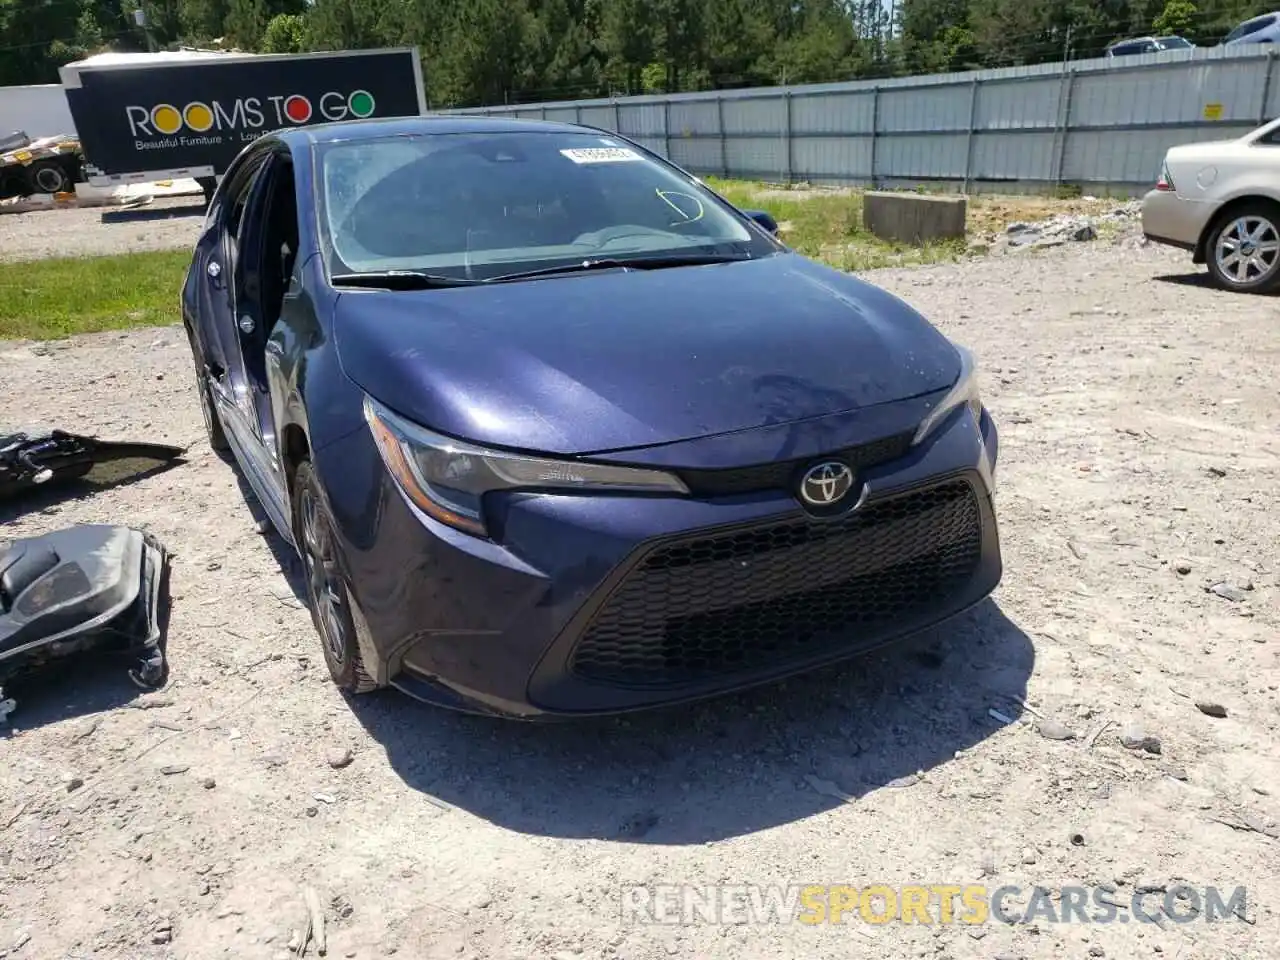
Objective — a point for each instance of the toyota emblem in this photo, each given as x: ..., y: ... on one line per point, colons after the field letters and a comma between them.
x: 826, y: 484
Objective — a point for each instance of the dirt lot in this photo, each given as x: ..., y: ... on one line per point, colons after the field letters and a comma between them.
x: 1140, y: 462
x: 164, y: 224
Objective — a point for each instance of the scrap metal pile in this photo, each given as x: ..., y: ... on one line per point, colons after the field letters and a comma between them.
x: 46, y: 165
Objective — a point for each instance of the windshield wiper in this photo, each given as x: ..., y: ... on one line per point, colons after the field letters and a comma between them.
x: 624, y: 263
x: 399, y: 280
x: 422, y: 280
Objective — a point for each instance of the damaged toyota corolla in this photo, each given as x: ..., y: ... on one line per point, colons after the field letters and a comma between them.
x: 556, y: 430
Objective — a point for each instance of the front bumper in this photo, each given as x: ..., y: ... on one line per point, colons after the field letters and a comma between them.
x: 1173, y: 220
x: 600, y: 604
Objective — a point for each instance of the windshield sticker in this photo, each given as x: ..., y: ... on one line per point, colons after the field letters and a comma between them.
x: 601, y: 155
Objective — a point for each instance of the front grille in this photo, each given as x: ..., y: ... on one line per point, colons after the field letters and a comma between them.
x: 784, y: 474
x: 715, y: 605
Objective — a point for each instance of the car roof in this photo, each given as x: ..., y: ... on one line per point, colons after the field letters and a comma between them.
x: 379, y: 127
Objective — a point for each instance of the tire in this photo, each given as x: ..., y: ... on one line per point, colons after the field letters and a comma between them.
x: 1255, y: 230
x: 48, y: 176
x: 212, y: 425
x: 327, y: 594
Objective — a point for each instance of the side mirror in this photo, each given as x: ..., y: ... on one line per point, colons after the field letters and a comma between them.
x: 764, y: 220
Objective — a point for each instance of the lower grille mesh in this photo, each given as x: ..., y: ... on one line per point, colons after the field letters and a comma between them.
x: 714, y: 605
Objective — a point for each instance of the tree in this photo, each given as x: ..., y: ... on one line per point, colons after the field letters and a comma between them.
x: 204, y: 20
x: 627, y: 42
x: 1176, y: 19
x: 285, y: 33
x: 246, y: 22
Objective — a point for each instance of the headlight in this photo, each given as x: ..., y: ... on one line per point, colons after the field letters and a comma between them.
x: 964, y: 392
x: 447, y: 478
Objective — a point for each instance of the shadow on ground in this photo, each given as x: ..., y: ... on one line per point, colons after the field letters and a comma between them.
x: 1199, y: 279
x: 726, y: 767
x: 93, y: 681
x: 149, y: 214
x: 285, y: 556
x: 56, y: 492
x: 96, y: 681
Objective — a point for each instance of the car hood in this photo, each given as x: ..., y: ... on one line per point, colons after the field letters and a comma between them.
x: 607, y: 361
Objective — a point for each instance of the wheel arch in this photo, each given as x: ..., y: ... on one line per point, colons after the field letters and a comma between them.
x: 1230, y: 209
x: 295, y: 448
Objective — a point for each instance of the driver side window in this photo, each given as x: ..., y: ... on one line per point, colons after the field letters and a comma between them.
x: 237, y: 200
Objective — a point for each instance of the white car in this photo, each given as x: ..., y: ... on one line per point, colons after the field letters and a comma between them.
x: 1221, y: 201
x: 1263, y: 29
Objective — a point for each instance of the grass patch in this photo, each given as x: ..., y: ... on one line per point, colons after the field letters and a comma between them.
x: 50, y: 299
x: 827, y: 225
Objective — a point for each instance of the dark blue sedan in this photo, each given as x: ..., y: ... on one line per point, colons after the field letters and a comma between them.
x: 556, y: 430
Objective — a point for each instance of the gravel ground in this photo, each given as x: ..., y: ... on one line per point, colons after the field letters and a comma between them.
x: 1140, y: 459
x: 165, y: 223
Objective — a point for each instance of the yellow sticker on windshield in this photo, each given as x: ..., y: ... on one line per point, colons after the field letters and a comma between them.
x: 601, y: 155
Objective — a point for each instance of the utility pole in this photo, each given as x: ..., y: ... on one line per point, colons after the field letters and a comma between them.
x: 1066, y: 44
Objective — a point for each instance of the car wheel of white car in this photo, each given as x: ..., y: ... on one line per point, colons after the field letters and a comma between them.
x: 1244, y: 250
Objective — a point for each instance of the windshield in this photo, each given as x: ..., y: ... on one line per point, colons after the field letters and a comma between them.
x: 479, y: 206
x: 1133, y: 46
x: 1250, y: 26
x: 1175, y: 43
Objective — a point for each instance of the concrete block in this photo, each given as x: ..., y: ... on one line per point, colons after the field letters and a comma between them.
x: 913, y: 218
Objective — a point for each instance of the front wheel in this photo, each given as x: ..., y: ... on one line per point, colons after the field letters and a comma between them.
x: 326, y: 590
x: 1244, y: 249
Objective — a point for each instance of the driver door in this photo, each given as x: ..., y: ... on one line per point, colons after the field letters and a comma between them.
x: 227, y: 275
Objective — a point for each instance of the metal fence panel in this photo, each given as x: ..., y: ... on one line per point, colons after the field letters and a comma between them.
x: 1012, y: 156
x: 923, y: 156
x: 845, y: 113
x: 1167, y: 94
x: 657, y: 144
x: 1130, y: 156
x: 832, y: 159
x: 1086, y: 122
x: 605, y: 117
x: 698, y: 117
x: 757, y: 157
x: 1271, y: 83
x: 756, y: 116
x: 644, y: 120
x: 925, y: 108
x: 701, y: 154
x: 1030, y: 104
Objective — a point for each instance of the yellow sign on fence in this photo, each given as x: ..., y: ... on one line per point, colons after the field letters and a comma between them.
x: 1213, y: 111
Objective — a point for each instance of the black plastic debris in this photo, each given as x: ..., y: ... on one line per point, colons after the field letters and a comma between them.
x: 41, y: 459
x: 93, y: 586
